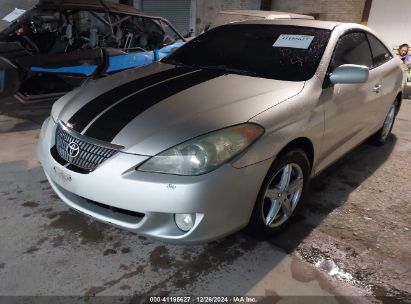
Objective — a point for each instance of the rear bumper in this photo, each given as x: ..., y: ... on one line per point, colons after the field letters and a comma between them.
x: 146, y: 203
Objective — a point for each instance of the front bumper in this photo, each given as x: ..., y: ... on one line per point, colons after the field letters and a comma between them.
x: 145, y: 203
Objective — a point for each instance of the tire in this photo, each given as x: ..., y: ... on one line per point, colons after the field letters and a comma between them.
x: 382, y: 135
x: 271, y: 215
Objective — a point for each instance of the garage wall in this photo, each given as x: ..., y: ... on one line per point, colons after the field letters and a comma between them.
x: 392, y: 20
x: 332, y: 10
x: 201, y: 13
x: 208, y: 9
x: 179, y: 12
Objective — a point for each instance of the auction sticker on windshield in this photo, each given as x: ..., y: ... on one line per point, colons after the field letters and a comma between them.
x: 294, y: 41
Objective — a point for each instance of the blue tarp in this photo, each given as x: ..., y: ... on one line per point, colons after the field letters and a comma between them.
x: 123, y: 62
x: 86, y: 70
x: 116, y: 63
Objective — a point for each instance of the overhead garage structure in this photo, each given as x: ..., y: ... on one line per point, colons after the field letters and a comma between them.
x: 181, y: 13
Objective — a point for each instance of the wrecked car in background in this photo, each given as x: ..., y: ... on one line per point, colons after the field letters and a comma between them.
x: 56, y: 46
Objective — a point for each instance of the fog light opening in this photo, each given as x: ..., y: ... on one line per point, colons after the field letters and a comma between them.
x: 184, y: 221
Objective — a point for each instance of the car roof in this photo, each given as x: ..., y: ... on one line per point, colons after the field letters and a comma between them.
x: 265, y: 14
x: 329, y: 25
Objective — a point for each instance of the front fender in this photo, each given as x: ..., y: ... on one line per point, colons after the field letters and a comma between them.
x: 300, y: 116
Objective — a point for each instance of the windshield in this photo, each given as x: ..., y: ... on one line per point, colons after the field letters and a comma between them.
x: 271, y: 51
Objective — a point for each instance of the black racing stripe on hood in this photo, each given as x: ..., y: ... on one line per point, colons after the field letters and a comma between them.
x: 96, y: 106
x: 108, y: 125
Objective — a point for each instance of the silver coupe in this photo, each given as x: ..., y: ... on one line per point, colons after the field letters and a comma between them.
x: 225, y: 132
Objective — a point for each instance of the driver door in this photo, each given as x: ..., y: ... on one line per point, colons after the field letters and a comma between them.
x: 349, y: 113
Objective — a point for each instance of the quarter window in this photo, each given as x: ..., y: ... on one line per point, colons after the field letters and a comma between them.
x: 380, y: 53
x: 352, y: 48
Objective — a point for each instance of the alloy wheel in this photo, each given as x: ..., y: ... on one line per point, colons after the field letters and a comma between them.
x: 282, y: 195
x: 389, y: 121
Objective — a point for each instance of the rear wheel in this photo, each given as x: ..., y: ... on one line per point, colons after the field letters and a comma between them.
x: 382, y: 135
x: 281, y: 193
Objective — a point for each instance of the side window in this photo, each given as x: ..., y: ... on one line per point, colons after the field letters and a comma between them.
x: 379, y: 51
x: 352, y: 48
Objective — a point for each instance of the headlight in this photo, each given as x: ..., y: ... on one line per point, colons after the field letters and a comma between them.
x: 205, y: 153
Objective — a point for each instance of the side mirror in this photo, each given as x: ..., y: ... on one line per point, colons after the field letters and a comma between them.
x: 350, y: 73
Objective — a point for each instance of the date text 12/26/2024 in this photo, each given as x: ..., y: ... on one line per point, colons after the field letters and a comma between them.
x: 203, y: 299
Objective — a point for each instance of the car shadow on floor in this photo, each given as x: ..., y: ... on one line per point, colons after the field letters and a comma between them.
x: 331, y: 189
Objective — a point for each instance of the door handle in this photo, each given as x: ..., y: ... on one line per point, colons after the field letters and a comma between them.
x: 377, y: 88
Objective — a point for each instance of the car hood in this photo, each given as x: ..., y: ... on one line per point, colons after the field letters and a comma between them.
x: 151, y: 109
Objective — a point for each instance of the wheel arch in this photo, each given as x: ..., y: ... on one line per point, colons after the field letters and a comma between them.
x: 255, y: 225
x: 304, y: 144
x: 398, y: 98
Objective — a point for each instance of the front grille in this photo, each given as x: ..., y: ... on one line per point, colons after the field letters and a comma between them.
x: 79, y: 152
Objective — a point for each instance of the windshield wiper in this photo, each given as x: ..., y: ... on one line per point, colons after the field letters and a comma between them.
x: 175, y: 63
x: 218, y: 67
x: 228, y: 70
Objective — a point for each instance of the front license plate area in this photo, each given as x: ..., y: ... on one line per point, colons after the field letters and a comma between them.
x: 61, y: 175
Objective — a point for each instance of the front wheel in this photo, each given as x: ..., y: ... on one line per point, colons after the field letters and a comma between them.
x: 281, y: 193
x: 382, y: 135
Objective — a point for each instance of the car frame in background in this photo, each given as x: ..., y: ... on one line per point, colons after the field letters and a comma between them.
x: 60, y: 44
x: 213, y: 139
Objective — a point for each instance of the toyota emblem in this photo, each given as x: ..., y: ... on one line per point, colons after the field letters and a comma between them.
x: 73, y: 149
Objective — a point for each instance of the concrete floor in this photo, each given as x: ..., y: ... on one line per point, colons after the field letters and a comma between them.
x: 47, y: 249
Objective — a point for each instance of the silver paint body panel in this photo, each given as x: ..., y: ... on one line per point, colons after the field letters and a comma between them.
x: 334, y: 119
